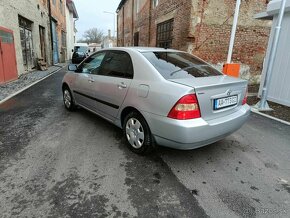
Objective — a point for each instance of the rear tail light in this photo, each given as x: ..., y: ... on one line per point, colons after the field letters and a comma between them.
x: 245, y: 97
x: 186, y: 108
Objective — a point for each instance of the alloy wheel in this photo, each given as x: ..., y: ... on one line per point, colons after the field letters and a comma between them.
x: 135, y: 133
x: 67, y: 98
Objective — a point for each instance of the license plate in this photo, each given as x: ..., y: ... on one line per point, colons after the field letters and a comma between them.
x: 225, y: 102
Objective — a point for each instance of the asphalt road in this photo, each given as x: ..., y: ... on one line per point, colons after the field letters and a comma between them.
x: 54, y: 163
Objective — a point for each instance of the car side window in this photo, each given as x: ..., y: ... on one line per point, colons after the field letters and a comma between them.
x: 117, y: 64
x: 92, y: 64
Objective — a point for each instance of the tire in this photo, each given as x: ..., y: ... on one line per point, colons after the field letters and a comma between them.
x: 137, y: 134
x: 68, y: 100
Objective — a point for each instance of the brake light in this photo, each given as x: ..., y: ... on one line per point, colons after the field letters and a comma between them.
x: 186, y: 108
x: 245, y: 97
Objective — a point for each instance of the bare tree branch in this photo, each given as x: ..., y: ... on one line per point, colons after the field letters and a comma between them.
x: 92, y: 35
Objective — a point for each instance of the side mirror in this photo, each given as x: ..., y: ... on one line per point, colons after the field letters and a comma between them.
x: 72, y: 67
x: 72, y: 50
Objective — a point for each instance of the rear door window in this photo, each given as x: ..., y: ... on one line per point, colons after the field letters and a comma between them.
x: 117, y: 64
x: 176, y: 65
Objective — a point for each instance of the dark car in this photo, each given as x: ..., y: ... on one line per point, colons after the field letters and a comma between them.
x: 78, y: 57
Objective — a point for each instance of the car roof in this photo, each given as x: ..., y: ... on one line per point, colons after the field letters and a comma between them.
x: 142, y: 49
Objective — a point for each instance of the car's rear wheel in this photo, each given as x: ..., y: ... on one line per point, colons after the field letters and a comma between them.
x: 137, y: 133
x: 68, y: 99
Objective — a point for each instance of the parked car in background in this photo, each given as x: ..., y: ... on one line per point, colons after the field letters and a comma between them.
x: 158, y: 96
x: 78, y: 57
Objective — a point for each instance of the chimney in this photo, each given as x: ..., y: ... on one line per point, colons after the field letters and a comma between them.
x: 109, y: 34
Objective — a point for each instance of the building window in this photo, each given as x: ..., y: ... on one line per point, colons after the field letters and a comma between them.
x: 63, y: 39
x: 165, y: 34
x: 25, y: 27
x: 155, y: 3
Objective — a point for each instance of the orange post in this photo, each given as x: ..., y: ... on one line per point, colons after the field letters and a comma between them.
x: 232, y: 70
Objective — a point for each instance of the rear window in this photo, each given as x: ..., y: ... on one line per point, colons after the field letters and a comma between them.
x: 177, y: 65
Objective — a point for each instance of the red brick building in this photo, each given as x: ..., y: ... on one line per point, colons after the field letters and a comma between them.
x: 201, y: 27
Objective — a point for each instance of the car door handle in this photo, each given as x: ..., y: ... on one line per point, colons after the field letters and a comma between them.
x: 91, y: 80
x: 122, y: 85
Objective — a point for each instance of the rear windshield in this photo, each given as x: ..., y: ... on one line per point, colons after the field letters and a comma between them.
x: 177, y: 65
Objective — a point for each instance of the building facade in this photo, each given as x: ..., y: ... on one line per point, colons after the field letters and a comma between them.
x: 71, y: 17
x: 34, y: 30
x: 201, y: 27
x: 29, y: 21
x: 58, y: 30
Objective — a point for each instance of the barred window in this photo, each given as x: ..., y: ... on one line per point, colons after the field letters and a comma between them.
x: 165, y: 34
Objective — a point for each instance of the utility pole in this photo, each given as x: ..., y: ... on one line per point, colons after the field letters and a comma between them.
x: 230, y: 68
x: 262, y: 105
x: 233, y: 34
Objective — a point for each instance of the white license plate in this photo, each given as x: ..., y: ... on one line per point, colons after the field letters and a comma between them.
x: 225, y: 102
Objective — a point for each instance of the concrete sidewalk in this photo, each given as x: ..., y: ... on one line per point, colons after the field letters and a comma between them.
x: 25, y: 80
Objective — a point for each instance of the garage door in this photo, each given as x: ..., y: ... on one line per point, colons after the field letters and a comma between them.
x: 8, y: 68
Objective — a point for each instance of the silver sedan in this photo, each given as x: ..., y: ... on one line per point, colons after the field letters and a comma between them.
x: 158, y: 97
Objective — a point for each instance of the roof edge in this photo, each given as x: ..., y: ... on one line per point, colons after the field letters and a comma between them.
x: 72, y: 8
x: 121, y: 5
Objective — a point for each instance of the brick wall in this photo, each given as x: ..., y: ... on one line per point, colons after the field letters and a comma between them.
x: 58, y: 13
x: 201, y: 27
x: 213, y: 29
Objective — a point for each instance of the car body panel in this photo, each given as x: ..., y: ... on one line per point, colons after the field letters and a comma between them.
x: 210, y: 88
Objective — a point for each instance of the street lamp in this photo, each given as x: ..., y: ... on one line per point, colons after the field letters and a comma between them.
x: 108, y: 12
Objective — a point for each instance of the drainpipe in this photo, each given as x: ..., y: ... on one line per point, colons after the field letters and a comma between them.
x: 263, y: 104
x: 149, y: 29
x: 50, y: 24
x: 133, y: 32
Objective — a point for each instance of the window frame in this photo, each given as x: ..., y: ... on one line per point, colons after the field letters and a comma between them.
x: 164, y: 33
x: 108, y: 56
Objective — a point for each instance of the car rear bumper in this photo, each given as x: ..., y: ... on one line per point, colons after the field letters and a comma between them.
x: 191, y: 134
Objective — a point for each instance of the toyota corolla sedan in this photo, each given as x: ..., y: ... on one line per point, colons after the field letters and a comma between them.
x: 158, y: 97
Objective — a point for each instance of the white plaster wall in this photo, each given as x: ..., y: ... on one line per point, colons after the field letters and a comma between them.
x: 9, y: 11
x: 70, y: 33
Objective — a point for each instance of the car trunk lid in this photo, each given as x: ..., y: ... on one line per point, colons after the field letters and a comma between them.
x: 217, y: 95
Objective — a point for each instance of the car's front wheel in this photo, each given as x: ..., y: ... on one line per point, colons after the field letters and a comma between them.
x: 137, y: 133
x: 68, y: 99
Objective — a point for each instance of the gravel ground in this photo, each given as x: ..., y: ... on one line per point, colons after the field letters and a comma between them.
x: 279, y: 111
x: 25, y: 80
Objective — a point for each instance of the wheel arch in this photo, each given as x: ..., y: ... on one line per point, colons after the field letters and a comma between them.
x: 128, y: 110
x: 65, y: 85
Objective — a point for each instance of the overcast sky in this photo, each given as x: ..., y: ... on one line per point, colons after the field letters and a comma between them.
x: 91, y: 15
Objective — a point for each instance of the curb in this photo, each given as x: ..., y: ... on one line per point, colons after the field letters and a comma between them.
x: 32, y: 84
x: 270, y: 117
